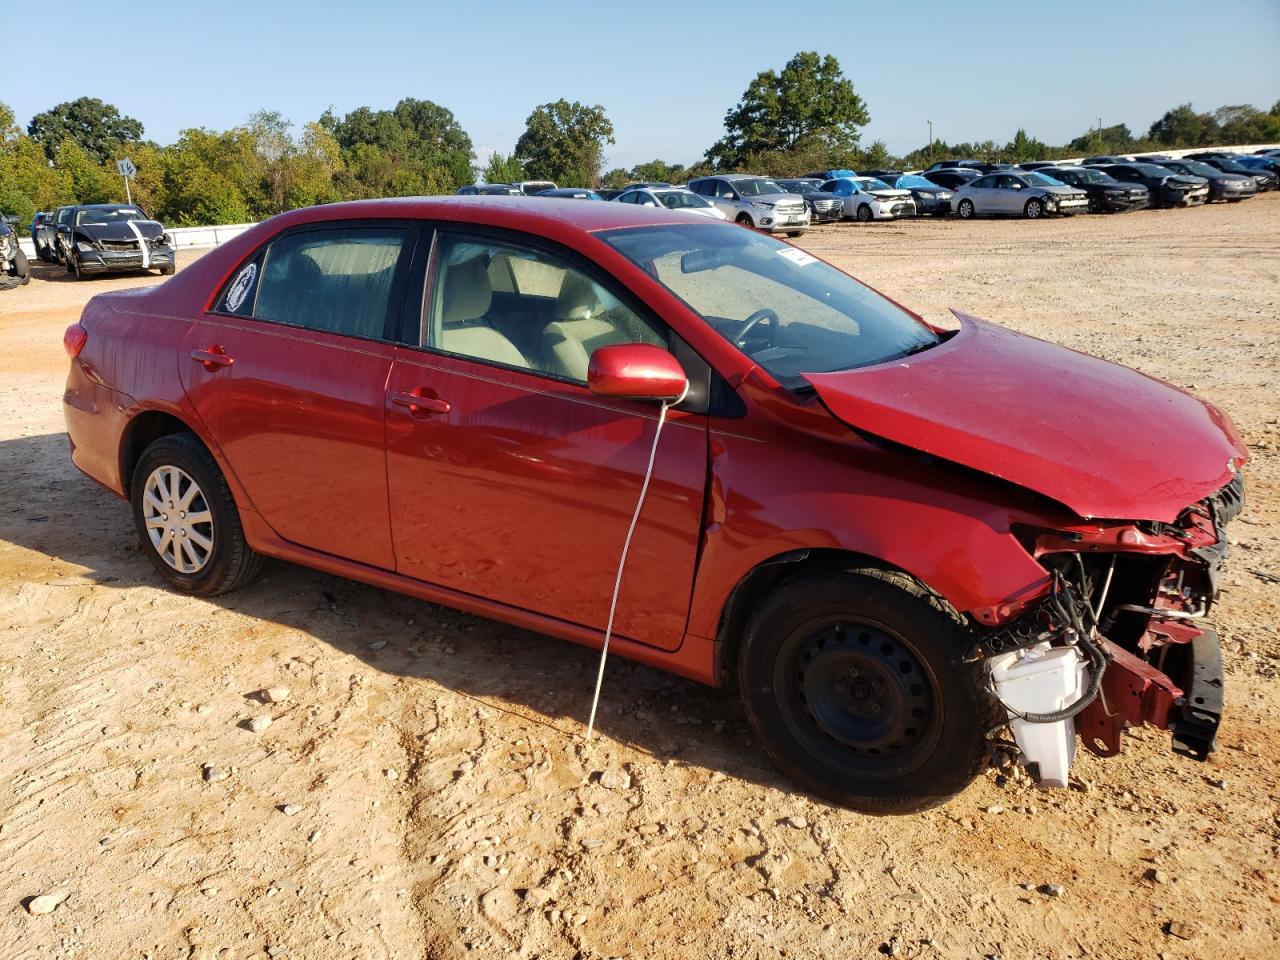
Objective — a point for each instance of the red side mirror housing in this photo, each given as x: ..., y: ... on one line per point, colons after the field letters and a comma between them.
x: 636, y: 370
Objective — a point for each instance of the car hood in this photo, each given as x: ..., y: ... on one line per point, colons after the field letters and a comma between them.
x: 891, y: 194
x: 120, y: 230
x: 1062, y: 190
x: 1102, y: 439
x: 1185, y: 180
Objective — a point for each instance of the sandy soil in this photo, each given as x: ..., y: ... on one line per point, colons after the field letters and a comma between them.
x: 442, y: 803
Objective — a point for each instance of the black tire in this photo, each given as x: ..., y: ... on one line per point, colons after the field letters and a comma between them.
x: 744, y: 220
x: 1033, y: 209
x: 21, y: 269
x: 880, y: 659
x: 965, y: 210
x: 1096, y: 206
x: 231, y: 562
x: 795, y: 233
x: 864, y: 214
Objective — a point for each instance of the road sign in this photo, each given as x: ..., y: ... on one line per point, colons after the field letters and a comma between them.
x: 126, y: 167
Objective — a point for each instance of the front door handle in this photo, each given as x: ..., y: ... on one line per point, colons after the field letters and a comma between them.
x: 422, y: 406
x: 212, y: 357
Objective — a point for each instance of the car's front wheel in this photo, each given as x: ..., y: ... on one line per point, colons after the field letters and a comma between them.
x: 1033, y: 209
x: 864, y: 214
x: 187, y: 520
x: 856, y: 684
x: 965, y: 210
x: 744, y: 220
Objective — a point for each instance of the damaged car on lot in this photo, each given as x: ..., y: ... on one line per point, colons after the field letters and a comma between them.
x: 1106, y: 194
x: 112, y: 238
x: 1166, y: 188
x: 1026, y: 194
x: 900, y: 539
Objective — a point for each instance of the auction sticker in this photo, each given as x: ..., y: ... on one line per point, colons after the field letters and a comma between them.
x: 798, y: 257
x: 240, y: 287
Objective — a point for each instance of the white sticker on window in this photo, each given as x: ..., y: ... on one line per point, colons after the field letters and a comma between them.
x: 797, y: 256
x: 241, y: 287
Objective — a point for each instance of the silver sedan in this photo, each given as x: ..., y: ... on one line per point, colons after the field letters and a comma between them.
x: 1029, y: 195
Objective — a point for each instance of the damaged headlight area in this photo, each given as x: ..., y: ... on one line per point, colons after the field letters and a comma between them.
x: 1119, y: 638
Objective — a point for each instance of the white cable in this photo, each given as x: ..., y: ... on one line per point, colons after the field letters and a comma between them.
x: 622, y: 560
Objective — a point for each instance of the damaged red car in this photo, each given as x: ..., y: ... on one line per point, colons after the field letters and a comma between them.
x: 909, y: 546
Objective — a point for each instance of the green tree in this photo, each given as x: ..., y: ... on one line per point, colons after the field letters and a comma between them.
x: 1113, y: 139
x: 91, y: 182
x: 1246, y: 124
x: 810, y: 103
x: 1023, y: 147
x: 565, y: 142
x: 658, y: 170
x: 502, y: 169
x: 1183, y: 127
x: 97, y: 128
x: 419, y: 147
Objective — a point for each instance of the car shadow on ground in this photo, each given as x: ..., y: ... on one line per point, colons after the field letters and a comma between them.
x: 54, y: 510
x: 57, y: 273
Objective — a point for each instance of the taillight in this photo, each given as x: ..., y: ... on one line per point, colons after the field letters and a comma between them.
x: 74, y: 339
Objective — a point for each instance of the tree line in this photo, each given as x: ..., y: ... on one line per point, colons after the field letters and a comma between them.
x: 807, y: 116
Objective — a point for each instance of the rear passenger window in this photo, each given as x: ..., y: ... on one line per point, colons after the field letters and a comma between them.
x: 335, y: 280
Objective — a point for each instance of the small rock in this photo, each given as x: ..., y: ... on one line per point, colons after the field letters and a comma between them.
x: 1156, y: 875
x: 537, y: 896
x: 1050, y: 890
x: 275, y: 694
x: 213, y: 774
x: 377, y: 645
x: 994, y: 808
x: 1216, y: 782
x: 800, y: 823
x: 290, y: 809
x: 1182, y: 929
x: 44, y: 903
x: 615, y: 779
x: 313, y: 836
x: 592, y: 843
x: 259, y: 723
x: 203, y: 709
x: 648, y: 829
x: 391, y: 773
x: 209, y: 890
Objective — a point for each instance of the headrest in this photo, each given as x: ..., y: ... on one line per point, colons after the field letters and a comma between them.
x: 467, y: 291
x: 578, y: 299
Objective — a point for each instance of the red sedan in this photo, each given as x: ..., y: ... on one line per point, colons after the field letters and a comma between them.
x: 897, y: 538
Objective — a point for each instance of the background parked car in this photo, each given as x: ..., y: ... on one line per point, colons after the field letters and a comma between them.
x: 1105, y: 160
x: 823, y: 207
x: 1222, y: 185
x: 488, y: 190
x: 1167, y: 189
x: 952, y: 179
x: 1106, y: 194
x: 1038, y: 164
x: 673, y: 198
x: 531, y: 187
x: 570, y: 193
x: 1263, y: 179
x: 111, y: 237
x: 867, y: 199
x: 1260, y: 164
x: 755, y: 202
x: 42, y: 236
x: 62, y: 232
x: 930, y: 198
x: 1027, y: 194
x: 14, y: 269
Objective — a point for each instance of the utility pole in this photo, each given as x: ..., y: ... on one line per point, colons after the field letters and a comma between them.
x: 1101, y: 145
x: 930, y: 122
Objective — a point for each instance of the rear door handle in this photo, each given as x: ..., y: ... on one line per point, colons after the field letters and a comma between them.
x: 421, y: 405
x: 213, y: 358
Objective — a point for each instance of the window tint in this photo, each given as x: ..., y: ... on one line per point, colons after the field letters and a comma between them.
x: 519, y: 307
x: 336, y: 280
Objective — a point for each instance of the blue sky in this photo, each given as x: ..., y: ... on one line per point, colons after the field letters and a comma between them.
x: 665, y: 72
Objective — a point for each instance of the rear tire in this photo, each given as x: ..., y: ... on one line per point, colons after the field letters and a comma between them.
x: 21, y: 269
x: 856, y: 684
x: 181, y: 461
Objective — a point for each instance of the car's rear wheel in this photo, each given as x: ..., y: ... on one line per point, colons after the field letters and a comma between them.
x: 1033, y: 209
x: 856, y: 684
x: 187, y: 520
x: 965, y: 210
x: 864, y: 214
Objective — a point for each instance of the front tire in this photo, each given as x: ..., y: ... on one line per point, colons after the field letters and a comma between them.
x: 856, y: 685
x: 1033, y: 209
x: 21, y: 269
x: 965, y: 210
x: 864, y: 214
x: 187, y: 521
x: 744, y: 220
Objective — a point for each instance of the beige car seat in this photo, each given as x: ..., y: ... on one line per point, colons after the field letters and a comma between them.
x: 464, y: 302
x: 582, y: 325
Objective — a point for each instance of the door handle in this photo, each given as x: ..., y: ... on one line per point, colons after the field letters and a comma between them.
x: 213, y: 358
x: 422, y: 406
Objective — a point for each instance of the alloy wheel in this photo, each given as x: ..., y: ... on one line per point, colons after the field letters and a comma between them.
x: 178, y: 519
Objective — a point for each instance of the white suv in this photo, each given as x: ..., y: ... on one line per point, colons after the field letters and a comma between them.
x: 755, y: 202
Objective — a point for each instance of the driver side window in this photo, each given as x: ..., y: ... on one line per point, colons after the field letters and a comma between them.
x: 504, y: 303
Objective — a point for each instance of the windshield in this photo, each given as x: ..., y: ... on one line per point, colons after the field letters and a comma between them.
x: 1093, y: 176
x: 871, y: 183
x: 1041, y: 180
x: 788, y: 311
x: 1194, y: 167
x: 679, y: 199
x: 98, y: 218
x: 756, y: 188
x: 800, y: 186
x: 1151, y: 170
x: 1229, y: 166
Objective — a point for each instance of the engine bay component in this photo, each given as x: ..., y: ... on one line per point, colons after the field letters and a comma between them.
x: 1042, y: 680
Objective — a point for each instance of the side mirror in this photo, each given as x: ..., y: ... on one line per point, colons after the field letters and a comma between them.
x: 639, y: 371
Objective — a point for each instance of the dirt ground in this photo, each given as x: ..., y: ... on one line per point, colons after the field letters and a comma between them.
x: 421, y: 793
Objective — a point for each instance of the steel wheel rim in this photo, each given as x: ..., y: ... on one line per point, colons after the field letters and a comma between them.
x: 178, y: 519
x: 858, y: 697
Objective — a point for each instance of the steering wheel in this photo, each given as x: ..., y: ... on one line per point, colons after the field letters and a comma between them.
x: 754, y: 321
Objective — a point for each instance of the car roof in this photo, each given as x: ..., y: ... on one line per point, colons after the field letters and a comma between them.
x: 532, y: 214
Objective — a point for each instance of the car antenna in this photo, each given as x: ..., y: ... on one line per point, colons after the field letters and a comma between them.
x: 626, y: 547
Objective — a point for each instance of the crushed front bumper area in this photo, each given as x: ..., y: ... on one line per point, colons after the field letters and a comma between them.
x: 118, y: 261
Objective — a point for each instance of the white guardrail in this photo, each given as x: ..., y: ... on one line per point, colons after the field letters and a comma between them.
x: 184, y: 238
